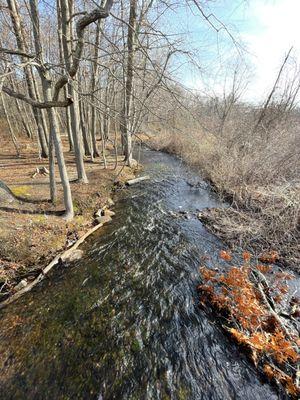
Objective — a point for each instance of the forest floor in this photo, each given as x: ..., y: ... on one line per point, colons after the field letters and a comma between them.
x: 31, y: 231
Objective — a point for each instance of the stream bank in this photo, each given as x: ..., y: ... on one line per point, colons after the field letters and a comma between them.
x: 259, y: 218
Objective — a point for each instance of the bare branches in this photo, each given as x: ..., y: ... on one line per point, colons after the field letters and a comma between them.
x: 269, y: 98
x: 211, y: 19
x: 87, y: 19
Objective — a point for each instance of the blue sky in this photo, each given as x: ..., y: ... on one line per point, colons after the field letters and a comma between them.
x: 264, y: 29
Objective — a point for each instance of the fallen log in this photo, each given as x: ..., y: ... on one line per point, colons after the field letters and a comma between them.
x: 60, y: 257
x: 137, y: 180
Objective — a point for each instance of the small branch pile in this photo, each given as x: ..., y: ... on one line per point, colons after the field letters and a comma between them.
x: 250, y: 304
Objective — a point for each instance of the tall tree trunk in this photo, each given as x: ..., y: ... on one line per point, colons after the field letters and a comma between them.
x: 95, y: 72
x: 47, y: 91
x: 69, y: 212
x: 74, y: 109
x: 28, y: 118
x: 23, y: 116
x: 43, y: 116
x: 10, y: 127
x: 127, y: 98
x: 53, y: 189
x: 61, y: 58
x: 84, y: 124
x: 68, y: 120
x: 87, y: 150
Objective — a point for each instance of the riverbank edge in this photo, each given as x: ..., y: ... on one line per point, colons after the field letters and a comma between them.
x: 213, y: 218
x: 88, y: 226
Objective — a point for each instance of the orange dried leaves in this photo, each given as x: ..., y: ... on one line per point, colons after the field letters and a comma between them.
x: 284, y: 379
x: 225, y: 255
x: 269, y: 257
x: 246, y: 256
x: 264, y: 268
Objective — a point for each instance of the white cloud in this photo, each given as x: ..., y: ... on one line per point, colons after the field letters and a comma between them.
x: 277, y: 29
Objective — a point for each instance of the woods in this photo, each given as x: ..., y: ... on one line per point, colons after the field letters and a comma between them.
x: 79, y: 76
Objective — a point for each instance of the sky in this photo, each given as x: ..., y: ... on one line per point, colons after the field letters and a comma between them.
x: 264, y: 30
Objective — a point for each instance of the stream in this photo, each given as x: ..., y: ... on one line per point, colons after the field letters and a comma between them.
x: 124, y: 322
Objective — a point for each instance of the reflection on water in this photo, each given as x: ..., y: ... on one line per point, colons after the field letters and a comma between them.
x: 123, y: 322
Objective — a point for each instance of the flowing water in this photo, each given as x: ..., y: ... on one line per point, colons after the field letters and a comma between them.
x: 124, y: 322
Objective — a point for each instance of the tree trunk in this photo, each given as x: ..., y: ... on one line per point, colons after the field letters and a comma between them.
x: 53, y: 190
x: 11, y: 131
x: 127, y: 98
x: 69, y: 212
x: 77, y: 137
x: 25, y: 124
x: 61, y: 58
x: 67, y: 38
x: 95, y: 72
x: 47, y: 91
x: 83, y: 125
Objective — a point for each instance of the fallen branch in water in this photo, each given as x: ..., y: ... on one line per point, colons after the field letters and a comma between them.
x: 45, y: 271
x: 137, y: 180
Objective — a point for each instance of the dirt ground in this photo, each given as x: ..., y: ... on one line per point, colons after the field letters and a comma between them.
x: 31, y: 232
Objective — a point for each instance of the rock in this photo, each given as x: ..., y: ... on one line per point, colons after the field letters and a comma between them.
x: 6, y: 195
x: 73, y: 256
x: 109, y: 213
x: 134, y: 163
x: 21, y: 285
x: 103, y: 212
x: 110, y: 202
x: 103, y: 219
x: 42, y: 171
x: 99, y: 213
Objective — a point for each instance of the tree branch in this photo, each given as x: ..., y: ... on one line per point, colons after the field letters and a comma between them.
x: 16, y: 52
x: 82, y: 23
x: 34, y: 103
